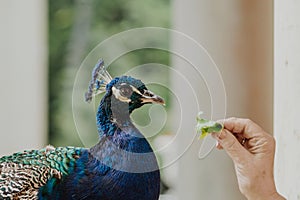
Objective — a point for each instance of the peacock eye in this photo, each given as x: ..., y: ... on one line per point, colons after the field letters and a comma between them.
x: 125, y: 90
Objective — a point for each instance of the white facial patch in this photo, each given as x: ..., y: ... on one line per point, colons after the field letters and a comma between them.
x: 117, y: 94
x: 136, y: 90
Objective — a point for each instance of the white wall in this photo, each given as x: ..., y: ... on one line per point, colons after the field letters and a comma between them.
x: 287, y: 96
x: 23, y: 67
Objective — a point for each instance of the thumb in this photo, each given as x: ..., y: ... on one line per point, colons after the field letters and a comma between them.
x: 232, y: 146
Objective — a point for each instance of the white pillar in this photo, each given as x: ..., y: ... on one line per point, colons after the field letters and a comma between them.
x: 287, y: 96
x: 23, y: 67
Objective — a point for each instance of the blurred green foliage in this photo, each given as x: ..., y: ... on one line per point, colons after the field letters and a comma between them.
x: 75, y: 28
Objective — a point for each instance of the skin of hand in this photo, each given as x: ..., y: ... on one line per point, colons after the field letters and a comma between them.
x: 253, y: 161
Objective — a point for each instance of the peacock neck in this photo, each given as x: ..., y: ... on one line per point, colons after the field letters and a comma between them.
x: 114, y: 125
x: 121, y: 146
x: 112, y: 114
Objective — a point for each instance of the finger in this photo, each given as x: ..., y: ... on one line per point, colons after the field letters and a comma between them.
x: 246, y: 127
x: 215, y: 135
x: 239, y: 137
x: 232, y: 146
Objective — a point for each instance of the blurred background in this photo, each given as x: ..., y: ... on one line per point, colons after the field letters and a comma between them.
x: 43, y: 44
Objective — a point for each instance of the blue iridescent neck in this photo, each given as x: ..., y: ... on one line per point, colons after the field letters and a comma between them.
x: 114, y: 125
x: 112, y: 114
x: 104, y: 117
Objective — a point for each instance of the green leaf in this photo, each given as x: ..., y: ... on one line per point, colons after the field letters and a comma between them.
x: 204, y: 126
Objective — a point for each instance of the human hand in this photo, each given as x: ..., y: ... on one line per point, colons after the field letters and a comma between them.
x: 252, y: 151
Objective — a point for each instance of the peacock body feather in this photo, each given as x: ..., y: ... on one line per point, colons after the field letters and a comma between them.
x: 121, y: 165
x: 22, y: 174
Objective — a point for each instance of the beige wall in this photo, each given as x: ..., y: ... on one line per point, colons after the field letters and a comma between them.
x: 238, y: 36
x: 23, y: 67
x: 287, y: 96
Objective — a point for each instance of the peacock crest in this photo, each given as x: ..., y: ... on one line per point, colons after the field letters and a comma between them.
x: 100, y: 78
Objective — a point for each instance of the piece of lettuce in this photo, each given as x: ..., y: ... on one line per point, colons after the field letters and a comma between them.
x: 204, y: 126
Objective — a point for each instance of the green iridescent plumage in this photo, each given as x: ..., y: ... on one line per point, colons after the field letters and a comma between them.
x: 23, y: 173
x: 60, y: 158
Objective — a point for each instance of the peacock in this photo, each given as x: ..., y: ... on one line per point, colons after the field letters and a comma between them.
x: 122, y: 165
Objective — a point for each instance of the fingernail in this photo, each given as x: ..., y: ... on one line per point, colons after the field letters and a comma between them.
x: 217, y: 143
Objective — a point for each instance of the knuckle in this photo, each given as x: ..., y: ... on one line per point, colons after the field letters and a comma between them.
x: 232, y: 119
x: 248, y: 121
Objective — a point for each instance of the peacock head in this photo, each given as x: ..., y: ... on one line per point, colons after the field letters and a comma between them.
x: 123, y: 92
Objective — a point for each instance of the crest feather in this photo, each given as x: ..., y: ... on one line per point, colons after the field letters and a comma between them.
x: 100, y: 78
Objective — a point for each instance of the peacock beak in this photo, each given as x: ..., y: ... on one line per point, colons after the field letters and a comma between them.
x: 150, y: 97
